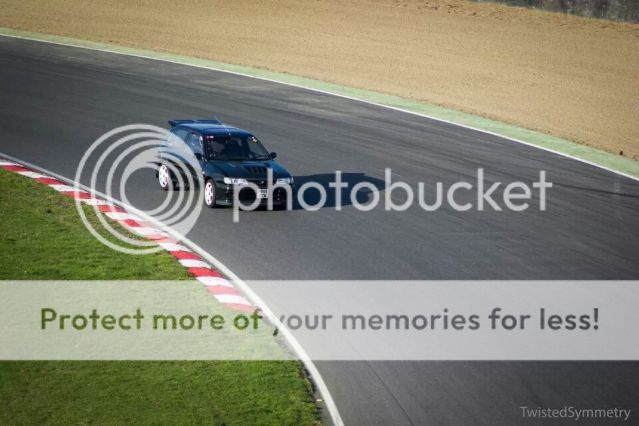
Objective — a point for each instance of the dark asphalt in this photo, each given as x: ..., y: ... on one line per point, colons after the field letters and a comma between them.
x: 57, y: 100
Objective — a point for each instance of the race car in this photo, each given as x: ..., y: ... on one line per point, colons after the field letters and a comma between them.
x: 229, y: 160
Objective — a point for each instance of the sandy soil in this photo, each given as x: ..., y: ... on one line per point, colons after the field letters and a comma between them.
x: 565, y: 75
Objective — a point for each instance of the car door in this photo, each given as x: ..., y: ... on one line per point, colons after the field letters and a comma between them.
x: 194, y: 142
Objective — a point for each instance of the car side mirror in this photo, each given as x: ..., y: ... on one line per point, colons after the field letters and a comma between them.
x: 199, y: 156
x: 273, y: 155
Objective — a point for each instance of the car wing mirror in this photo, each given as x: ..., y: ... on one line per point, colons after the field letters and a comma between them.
x: 273, y: 155
x: 199, y: 156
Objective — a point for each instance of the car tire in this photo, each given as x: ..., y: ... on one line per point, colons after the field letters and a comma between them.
x: 164, y: 177
x: 209, y: 193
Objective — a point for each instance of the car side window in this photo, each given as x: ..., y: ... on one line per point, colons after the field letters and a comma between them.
x: 194, y: 142
x: 175, y: 135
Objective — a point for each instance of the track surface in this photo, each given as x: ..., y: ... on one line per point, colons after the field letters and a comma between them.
x: 57, y: 100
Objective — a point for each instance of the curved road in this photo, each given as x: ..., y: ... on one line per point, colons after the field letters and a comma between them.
x: 57, y: 100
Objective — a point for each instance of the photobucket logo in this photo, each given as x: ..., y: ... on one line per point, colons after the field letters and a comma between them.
x: 116, y: 156
x: 400, y: 196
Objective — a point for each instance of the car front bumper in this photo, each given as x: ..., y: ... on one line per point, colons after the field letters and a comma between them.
x: 225, y: 194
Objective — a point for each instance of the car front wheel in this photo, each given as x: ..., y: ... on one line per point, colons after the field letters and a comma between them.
x: 209, y: 193
x: 164, y: 177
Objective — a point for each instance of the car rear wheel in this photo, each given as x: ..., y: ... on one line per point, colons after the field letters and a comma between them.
x: 164, y: 177
x: 209, y: 193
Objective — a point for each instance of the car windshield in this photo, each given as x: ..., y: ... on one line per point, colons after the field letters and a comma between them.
x: 235, y: 148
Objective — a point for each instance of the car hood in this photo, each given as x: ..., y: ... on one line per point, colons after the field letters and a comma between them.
x: 248, y: 169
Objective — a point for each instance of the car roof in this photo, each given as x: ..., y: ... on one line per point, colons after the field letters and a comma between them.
x: 209, y: 127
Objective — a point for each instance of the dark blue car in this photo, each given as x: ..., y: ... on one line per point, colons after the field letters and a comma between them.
x: 227, y: 157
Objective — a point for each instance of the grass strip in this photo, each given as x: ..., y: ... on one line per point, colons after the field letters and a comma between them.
x: 622, y: 164
x: 42, y: 237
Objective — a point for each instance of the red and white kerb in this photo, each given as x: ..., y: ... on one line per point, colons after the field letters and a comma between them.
x: 221, y: 288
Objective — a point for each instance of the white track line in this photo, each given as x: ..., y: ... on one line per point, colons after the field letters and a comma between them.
x: 173, y: 247
x: 122, y: 216
x: 193, y: 263
x: 62, y: 188
x: 144, y: 230
x: 234, y: 281
x: 135, y: 55
x: 32, y: 175
x: 233, y: 298
x: 211, y: 281
x: 328, y: 400
x: 96, y: 202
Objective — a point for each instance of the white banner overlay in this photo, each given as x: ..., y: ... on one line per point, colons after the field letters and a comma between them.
x: 332, y: 320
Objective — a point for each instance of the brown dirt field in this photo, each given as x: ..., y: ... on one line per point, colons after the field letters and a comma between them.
x: 569, y: 76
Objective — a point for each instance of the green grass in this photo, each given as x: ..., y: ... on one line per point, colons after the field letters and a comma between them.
x: 154, y: 393
x: 42, y: 237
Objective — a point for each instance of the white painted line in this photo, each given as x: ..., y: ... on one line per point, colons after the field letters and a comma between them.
x: 441, y: 120
x: 173, y: 247
x: 122, y: 216
x: 62, y: 188
x: 193, y: 263
x: 95, y: 202
x: 232, y: 298
x: 295, y: 346
x: 33, y: 175
x: 211, y: 281
x: 143, y: 230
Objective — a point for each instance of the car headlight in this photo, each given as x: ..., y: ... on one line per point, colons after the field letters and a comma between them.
x: 235, y: 181
x: 285, y: 181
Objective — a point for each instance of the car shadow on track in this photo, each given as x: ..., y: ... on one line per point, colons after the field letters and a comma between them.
x: 312, y: 197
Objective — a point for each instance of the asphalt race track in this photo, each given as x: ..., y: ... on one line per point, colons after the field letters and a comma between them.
x: 57, y: 100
